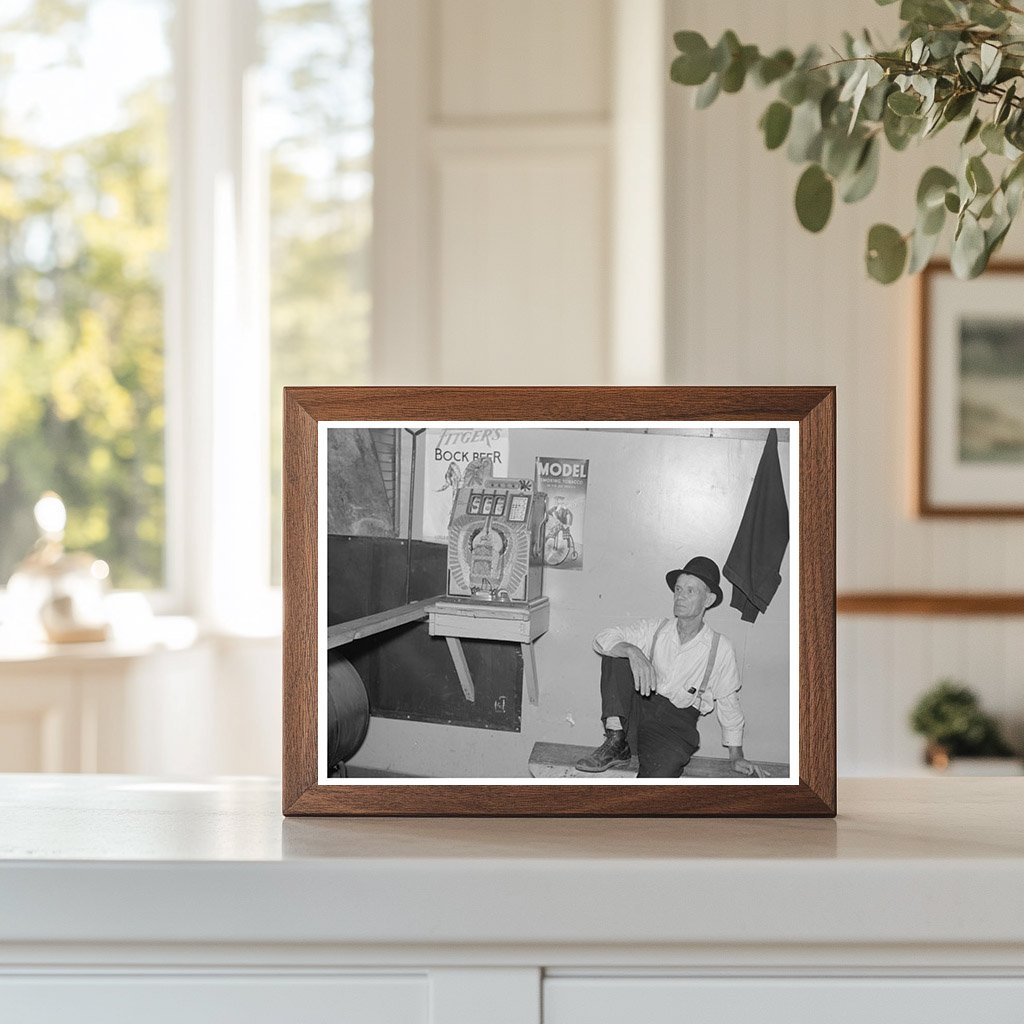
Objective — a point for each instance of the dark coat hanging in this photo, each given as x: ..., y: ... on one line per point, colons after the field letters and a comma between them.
x: 753, y: 563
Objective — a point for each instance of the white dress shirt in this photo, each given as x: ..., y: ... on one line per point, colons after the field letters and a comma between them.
x: 680, y: 667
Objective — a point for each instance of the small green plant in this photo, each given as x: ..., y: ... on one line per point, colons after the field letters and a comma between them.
x: 950, y: 716
x: 956, y: 61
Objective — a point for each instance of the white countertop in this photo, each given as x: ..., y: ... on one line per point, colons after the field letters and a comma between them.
x: 122, y: 859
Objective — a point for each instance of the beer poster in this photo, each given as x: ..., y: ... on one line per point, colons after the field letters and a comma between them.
x: 458, y: 457
x: 564, y: 481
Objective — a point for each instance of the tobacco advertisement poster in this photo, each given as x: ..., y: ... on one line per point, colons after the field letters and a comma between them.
x: 565, y: 483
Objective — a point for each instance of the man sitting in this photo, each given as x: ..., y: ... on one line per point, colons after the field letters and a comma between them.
x: 666, y: 673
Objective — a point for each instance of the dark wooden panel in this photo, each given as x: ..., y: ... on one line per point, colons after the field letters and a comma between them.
x: 408, y: 673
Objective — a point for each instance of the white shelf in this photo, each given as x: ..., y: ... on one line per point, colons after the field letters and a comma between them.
x: 916, y: 887
x: 125, y: 858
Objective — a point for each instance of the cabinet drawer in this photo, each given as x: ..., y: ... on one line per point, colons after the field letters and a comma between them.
x: 202, y: 999
x: 660, y: 1000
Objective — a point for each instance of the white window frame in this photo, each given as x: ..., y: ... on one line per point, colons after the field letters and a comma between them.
x: 217, y: 353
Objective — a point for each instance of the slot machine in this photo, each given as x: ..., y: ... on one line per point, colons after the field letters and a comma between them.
x: 495, y: 542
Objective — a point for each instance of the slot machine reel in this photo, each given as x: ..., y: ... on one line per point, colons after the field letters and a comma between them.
x: 493, y: 550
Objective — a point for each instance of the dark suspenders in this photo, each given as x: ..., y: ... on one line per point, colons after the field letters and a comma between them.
x: 707, y: 671
x: 698, y: 690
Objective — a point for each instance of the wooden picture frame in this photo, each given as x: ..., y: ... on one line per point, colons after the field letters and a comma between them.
x: 810, y: 790
x: 967, y: 466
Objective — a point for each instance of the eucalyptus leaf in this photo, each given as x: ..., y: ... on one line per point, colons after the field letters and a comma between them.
x: 973, y: 129
x: 708, y: 92
x: 987, y: 15
x: 930, y: 12
x: 1005, y: 104
x: 771, y: 69
x: 932, y: 221
x: 922, y: 248
x: 735, y: 74
x: 925, y: 88
x: 978, y: 176
x: 725, y: 49
x: 794, y: 88
x: 828, y: 104
x: 995, y: 233
x: 840, y: 152
x: 900, y: 130
x: 805, y: 133
x: 931, y: 190
x: 966, y: 188
x: 886, y: 253
x: 873, y: 106
x: 952, y: 202
x: 933, y: 122
x: 968, y: 247
x: 688, y: 70
x: 993, y: 138
x: 1014, y: 191
x: 775, y: 124
x: 814, y: 195
x: 903, y: 103
x: 690, y: 42
x: 865, y: 174
x: 958, y: 105
x: 944, y: 44
x: 991, y: 60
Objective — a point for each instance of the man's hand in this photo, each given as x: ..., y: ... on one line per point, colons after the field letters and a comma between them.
x: 645, y: 679
x: 742, y: 766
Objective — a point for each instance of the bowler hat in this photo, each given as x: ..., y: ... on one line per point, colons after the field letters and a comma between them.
x: 704, y: 569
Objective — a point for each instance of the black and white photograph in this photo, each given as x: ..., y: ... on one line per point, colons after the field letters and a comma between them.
x: 454, y: 646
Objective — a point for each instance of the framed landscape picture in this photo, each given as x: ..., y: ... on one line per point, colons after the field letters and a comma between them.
x: 559, y: 601
x: 970, y: 450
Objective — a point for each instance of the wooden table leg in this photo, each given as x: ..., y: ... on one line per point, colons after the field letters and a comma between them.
x: 530, y: 674
x: 461, y: 667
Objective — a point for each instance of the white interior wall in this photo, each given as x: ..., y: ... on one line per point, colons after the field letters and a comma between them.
x: 755, y: 299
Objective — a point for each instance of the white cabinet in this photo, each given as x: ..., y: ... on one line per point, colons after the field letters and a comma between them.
x: 133, y: 898
x: 824, y: 1000
x: 202, y: 999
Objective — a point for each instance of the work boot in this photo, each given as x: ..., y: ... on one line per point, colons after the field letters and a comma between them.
x: 613, y: 752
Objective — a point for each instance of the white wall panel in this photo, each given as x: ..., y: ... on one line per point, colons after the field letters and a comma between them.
x: 493, y: 204
x: 522, y: 281
x: 530, y: 58
x: 752, y: 298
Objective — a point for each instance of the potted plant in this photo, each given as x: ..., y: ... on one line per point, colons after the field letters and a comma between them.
x: 950, y: 717
x: 955, y: 62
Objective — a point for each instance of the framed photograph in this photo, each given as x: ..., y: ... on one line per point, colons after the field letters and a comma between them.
x: 970, y: 450
x: 559, y: 601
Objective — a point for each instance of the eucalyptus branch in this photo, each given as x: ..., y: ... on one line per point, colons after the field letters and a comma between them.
x: 833, y: 117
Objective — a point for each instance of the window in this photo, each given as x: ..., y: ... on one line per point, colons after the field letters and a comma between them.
x: 83, y: 236
x: 199, y: 164
x: 317, y: 120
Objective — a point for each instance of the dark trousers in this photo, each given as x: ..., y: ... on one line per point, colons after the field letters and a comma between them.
x: 663, y: 736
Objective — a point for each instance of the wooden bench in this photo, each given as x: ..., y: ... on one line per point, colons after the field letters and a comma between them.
x: 558, y: 761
